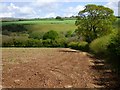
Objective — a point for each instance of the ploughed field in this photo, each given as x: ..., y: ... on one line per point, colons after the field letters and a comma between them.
x: 45, y: 68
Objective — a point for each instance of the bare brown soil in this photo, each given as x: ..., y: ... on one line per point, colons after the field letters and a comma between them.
x: 46, y: 68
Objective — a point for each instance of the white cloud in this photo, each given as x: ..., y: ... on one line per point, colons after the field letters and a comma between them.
x: 16, y: 11
x: 27, y: 10
x: 52, y: 14
x: 4, y: 11
x: 9, y: 14
x: 57, y: 0
x: 72, y: 10
x: 113, y: 0
x: 40, y: 3
x: 119, y: 8
x: 75, y: 9
x: 113, y: 6
x: 12, y: 6
x: 46, y: 8
x: 46, y: 1
x: 68, y: 14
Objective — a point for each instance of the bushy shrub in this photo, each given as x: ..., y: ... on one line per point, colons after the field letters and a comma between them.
x: 33, y: 43
x: 36, y: 35
x: 114, y: 52
x: 8, y: 43
x: 54, y: 43
x: 29, y: 42
x: 73, y: 45
x: 18, y: 43
x: 83, y: 46
x: 109, y: 48
x: 68, y: 33
x: 99, y: 45
x: 46, y: 43
x: 50, y: 35
x: 60, y: 42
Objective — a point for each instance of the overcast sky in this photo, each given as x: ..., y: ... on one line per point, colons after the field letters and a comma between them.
x: 49, y: 8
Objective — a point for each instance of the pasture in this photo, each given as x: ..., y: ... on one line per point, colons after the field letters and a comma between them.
x: 46, y: 25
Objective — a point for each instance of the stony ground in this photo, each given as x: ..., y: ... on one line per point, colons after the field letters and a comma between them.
x: 46, y: 68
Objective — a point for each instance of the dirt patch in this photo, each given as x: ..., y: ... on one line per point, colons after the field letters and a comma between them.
x: 46, y: 68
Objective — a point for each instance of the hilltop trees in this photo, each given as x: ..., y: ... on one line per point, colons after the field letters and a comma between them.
x: 94, y: 21
x: 59, y: 18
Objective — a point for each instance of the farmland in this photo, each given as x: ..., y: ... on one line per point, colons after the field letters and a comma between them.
x: 41, y: 68
x: 78, y: 51
x: 37, y: 68
x: 46, y: 25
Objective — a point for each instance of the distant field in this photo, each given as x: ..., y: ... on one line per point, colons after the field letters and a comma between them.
x: 41, y: 22
x: 46, y: 25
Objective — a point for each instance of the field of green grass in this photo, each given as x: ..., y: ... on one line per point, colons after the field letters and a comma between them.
x: 41, y: 22
x: 46, y: 25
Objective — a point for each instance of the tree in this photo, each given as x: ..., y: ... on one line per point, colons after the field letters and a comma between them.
x: 94, y: 21
x: 50, y: 35
x: 59, y: 18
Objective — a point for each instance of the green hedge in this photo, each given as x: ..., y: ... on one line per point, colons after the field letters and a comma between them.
x: 99, y: 45
x: 108, y: 47
x: 114, y: 52
x: 18, y: 42
x: 73, y: 45
x: 83, y: 46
